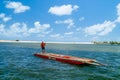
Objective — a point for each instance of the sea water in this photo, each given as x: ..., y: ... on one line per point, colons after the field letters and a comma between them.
x: 17, y: 62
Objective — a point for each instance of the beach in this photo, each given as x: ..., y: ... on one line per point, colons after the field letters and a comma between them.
x: 19, y: 41
x: 23, y: 41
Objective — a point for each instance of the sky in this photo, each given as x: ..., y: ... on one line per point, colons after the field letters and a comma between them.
x: 60, y: 20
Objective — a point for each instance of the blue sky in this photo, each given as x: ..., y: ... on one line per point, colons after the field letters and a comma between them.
x: 56, y: 20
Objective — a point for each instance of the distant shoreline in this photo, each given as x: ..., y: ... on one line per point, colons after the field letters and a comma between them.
x: 19, y: 41
x: 71, y: 42
x: 16, y: 41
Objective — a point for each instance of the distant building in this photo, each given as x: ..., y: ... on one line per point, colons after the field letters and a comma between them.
x: 17, y: 40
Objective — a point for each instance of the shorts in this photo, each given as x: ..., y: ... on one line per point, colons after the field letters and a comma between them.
x: 43, y: 48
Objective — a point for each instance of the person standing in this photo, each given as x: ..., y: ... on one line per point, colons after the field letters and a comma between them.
x: 43, y: 47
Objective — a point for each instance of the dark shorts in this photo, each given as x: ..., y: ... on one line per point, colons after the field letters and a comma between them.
x: 43, y: 48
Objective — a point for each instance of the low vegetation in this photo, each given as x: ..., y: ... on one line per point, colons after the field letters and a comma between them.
x: 107, y: 42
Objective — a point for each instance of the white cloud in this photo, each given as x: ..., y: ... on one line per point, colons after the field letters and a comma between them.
x: 67, y: 21
x: 104, y: 28
x: 75, y: 7
x: 100, y: 29
x: 78, y: 29
x: 18, y: 30
x: 68, y: 33
x: 118, y: 13
x: 14, y: 30
x: 118, y: 9
x: 2, y: 28
x: 81, y: 18
x: 2, y: 15
x: 63, y: 10
x: 39, y: 28
x: 4, y: 18
x: 17, y: 6
x: 55, y: 35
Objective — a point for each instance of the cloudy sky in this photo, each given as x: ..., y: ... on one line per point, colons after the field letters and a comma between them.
x: 60, y: 20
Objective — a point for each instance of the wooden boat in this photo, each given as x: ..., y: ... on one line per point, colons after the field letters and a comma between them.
x: 68, y: 59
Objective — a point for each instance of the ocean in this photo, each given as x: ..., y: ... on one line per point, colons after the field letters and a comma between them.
x: 17, y: 62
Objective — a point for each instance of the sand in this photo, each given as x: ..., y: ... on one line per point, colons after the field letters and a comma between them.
x: 46, y: 42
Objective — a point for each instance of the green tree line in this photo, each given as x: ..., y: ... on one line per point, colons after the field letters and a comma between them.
x: 106, y: 42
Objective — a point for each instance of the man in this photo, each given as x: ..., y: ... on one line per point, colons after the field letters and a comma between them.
x: 43, y: 47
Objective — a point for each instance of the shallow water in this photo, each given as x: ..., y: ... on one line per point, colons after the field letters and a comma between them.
x: 18, y: 63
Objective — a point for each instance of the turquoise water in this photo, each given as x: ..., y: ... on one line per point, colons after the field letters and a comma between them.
x: 18, y: 63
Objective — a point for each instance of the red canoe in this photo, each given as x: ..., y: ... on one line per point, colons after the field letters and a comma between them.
x: 67, y: 59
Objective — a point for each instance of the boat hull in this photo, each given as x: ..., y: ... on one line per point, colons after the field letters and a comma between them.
x: 65, y: 58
